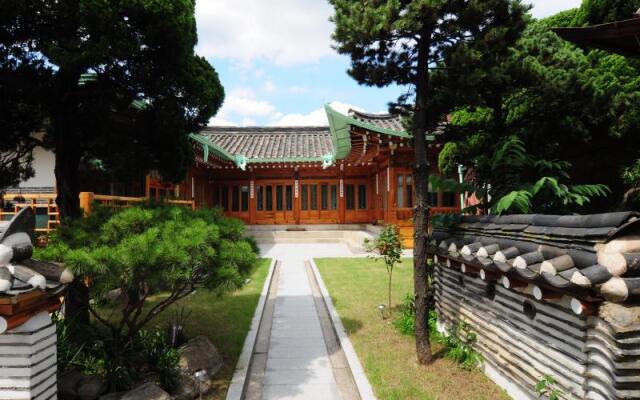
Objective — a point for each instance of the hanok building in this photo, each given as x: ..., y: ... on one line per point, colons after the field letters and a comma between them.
x: 358, y: 170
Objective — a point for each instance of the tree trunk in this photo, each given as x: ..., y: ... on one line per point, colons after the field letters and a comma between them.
x: 66, y: 141
x: 390, y: 278
x: 421, y: 270
x: 67, y: 152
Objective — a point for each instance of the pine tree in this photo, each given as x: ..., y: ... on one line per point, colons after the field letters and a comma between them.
x: 124, y: 87
x: 430, y: 46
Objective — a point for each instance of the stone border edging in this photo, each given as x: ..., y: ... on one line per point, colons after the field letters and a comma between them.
x: 238, y: 382
x: 364, y: 387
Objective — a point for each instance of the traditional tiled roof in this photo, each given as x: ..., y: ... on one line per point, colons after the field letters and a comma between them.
x: 260, y: 144
x: 587, y: 256
x: 384, y: 121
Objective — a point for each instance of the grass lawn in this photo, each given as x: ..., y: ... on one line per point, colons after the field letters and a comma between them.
x: 357, y: 286
x: 224, y: 320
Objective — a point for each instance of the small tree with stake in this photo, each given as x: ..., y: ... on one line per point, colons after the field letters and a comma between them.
x: 388, y: 247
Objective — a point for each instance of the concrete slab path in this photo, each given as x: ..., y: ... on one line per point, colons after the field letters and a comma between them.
x: 298, y: 364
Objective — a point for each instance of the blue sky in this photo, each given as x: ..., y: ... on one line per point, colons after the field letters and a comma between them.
x: 276, y: 62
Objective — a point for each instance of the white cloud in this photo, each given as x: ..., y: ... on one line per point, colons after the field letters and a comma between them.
x: 317, y: 117
x: 243, y: 102
x: 545, y: 8
x: 248, y: 122
x: 218, y: 121
x: 285, y: 32
x: 269, y: 87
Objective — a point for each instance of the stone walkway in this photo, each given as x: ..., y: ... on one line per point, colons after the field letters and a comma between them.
x: 298, y: 364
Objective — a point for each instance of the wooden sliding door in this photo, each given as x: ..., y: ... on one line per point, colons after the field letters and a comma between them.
x: 319, y: 202
x: 275, y: 202
x: 357, y: 201
x: 233, y: 198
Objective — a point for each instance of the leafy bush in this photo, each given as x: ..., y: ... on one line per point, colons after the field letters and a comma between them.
x: 546, y: 386
x: 148, y: 356
x: 525, y: 184
x: 150, y: 249
x: 162, y: 359
x: 405, y: 323
x: 459, y: 343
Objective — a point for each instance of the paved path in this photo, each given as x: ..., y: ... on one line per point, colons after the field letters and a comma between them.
x: 298, y: 364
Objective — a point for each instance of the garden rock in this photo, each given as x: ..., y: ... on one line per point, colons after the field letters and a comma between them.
x: 198, y: 354
x: 90, y: 388
x: 112, y: 396
x: 68, y: 382
x: 147, y: 391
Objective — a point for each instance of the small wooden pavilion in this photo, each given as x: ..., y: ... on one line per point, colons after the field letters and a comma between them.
x: 358, y: 170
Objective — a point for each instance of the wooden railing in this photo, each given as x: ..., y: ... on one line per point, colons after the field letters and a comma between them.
x: 404, y: 214
x: 44, y: 205
x: 46, y: 209
x: 405, y: 221
x: 87, y: 199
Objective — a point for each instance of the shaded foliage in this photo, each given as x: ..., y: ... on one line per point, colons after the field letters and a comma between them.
x: 119, y: 83
x: 572, y: 111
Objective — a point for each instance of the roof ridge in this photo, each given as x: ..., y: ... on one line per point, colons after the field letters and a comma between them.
x: 266, y: 128
x: 372, y: 116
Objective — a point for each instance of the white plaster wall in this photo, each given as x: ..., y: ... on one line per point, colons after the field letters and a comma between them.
x: 43, y: 164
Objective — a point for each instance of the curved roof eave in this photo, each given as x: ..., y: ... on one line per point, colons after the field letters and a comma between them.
x: 209, y: 147
x: 339, y: 125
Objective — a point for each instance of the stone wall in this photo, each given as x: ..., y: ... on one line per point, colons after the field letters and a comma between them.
x: 592, y: 356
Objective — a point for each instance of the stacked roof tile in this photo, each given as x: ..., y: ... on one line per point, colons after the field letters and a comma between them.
x: 591, y: 256
x: 384, y: 121
x: 274, y: 143
x: 18, y: 272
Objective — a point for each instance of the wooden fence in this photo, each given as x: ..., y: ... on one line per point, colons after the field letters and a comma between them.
x: 46, y: 209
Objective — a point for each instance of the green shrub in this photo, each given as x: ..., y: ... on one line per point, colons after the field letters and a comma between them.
x: 149, y: 249
x: 144, y: 250
x: 405, y: 323
x: 547, y: 386
x: 163, y: 360
x: 149, y: 356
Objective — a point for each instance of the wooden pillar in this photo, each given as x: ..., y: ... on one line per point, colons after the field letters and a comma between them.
x: 342, y: 206
x: 391, y: 193
x: 296, y: 196
x: 147, y: 186
x: 252, y: 198
x: 86, y: 201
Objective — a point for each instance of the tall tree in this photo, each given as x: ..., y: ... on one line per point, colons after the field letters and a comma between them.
x: 424, y: 44
x: 567, y: 106
x: 21, y: 112
x: 125, y: 85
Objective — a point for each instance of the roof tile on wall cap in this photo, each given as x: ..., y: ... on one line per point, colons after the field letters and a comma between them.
x: 18, y: 273
x: 277, y: 143
x: 572, y: 256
